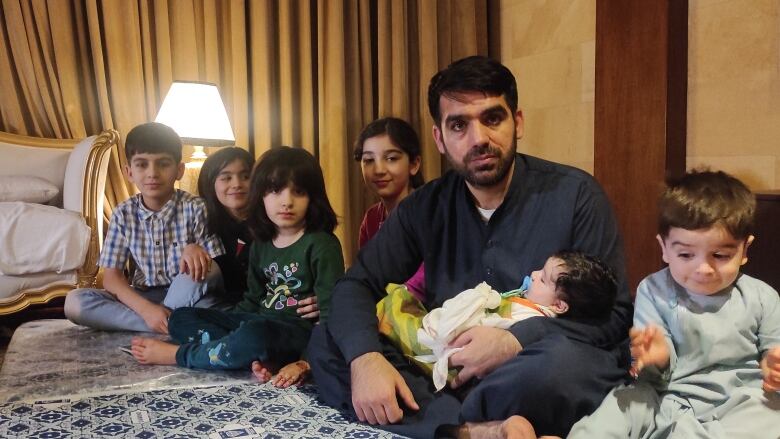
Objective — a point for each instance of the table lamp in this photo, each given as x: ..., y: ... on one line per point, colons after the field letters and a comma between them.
x: 196, y: 112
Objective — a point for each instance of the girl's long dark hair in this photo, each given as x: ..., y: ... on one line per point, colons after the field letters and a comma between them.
x: 218, y: 217
x: 277, y: 168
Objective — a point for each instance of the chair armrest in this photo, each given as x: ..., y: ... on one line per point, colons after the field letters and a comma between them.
x: 90, y: 161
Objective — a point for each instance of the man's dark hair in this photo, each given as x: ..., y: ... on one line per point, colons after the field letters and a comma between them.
x: 701, y: 199
x: 217, y: 216
x: 401, y: 134
x: 153, y: 138
x: 588, y: 285
x: 274, y: 170
x: 474, y: 73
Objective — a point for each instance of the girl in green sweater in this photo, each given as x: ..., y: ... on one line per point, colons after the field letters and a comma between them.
x: 294, y: 256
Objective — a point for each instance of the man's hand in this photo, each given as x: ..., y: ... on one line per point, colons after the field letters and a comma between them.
x: 156, y: 317
x: 195, y: 261
x: 375, y: 383
x: 308, y: 309
x: 484, y: 349
x: 770, y: 369
x: 648, y: 348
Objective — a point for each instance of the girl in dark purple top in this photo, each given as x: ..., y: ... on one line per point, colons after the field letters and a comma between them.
x: 389, y: 154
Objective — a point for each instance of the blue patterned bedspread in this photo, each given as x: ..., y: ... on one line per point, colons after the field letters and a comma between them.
x: 60, y: 380
x: 234, y: 411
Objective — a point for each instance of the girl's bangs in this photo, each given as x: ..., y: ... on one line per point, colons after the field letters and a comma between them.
x: 281, y: 177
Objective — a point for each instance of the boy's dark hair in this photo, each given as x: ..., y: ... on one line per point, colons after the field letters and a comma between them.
x: 217, y: 216
x: 401, y: 134
x: 589, y: 286
x: 701, y: 199
x: 277, y: 168
x: 153, y: 138
x: 474, y: 73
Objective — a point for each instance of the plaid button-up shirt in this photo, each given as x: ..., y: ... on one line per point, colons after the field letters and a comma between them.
x: 156, y: 239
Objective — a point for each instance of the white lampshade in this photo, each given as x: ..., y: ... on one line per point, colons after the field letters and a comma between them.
x: 196, y: 112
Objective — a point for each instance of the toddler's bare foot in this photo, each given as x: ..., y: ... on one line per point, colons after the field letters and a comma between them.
x: 292, y: 374
x: 152, y: 351
x: 261, y: 372
x: 516, y: 427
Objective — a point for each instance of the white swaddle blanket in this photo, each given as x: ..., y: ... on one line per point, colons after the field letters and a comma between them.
x: 468, y: 309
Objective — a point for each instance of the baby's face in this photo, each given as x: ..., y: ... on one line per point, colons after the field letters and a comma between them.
x: 704, y: 261
x: 542, y: 290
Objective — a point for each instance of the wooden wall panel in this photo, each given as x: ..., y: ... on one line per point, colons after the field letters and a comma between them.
x: 762, y: 255
x: 640, y: 115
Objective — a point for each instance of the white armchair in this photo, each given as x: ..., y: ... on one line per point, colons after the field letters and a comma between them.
x: 78, y: 168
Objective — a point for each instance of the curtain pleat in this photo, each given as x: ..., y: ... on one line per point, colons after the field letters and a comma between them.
x: 234, y: 51
x: 69, y: 71
x: 333, y: 116
x: 306, y: 76
x: 307, y: 73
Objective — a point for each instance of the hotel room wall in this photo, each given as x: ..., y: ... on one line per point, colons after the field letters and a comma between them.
x: 734, y: 89
x: 550, y: 48
x: 733, y: 120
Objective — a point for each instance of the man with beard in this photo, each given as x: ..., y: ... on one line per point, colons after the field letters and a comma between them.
x: 494, y: 217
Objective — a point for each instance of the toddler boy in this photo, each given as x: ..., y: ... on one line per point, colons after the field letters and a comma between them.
x: 706, y: 338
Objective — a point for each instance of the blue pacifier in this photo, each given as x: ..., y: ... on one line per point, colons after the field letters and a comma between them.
x: 520, y: 291
x: 526, y: 285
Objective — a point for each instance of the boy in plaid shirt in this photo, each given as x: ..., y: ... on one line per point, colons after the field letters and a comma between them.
x: 163, y: 229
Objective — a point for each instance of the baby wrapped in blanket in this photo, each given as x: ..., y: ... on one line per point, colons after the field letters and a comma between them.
x: 570, y: 283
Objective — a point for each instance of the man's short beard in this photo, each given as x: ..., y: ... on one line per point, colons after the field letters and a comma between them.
x: 479, y: 178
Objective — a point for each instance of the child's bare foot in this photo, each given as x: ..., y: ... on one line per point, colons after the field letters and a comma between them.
x: 292, y: 374
x: 261, y: 371
x: 152, y: 351
x: 516, y: 427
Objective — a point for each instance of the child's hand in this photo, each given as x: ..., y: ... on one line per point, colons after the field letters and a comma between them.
x: 292, y: 374
x: 156, y: 317
x: 648, y: 348
x: 308, y: 308
x: 195, y: 261
x: 770, y: 369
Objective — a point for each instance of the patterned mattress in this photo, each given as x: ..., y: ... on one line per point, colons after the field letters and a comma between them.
x: 63, y: 380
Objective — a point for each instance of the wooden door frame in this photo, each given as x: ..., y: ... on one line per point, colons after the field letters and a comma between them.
x: 640, y: 115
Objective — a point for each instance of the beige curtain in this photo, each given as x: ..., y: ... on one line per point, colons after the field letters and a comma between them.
x: 307, y: 73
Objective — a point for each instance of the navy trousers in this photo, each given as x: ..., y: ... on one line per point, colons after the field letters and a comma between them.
x: 553, y: 383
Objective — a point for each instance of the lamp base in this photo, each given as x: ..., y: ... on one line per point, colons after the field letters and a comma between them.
x: 189, y: 181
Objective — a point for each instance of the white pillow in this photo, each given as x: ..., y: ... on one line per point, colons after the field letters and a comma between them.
x: 27, y: 188
x: 40, y: 239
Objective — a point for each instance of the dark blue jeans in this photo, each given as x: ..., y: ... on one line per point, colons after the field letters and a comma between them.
x: 215, y: 339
